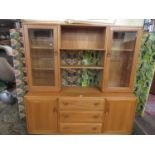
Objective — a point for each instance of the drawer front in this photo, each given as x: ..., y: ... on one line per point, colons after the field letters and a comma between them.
x: 81, y: 104
x: 81, y: 116
x: 80, y: 128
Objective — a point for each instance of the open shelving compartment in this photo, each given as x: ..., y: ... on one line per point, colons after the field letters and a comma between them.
x: 82, y: 56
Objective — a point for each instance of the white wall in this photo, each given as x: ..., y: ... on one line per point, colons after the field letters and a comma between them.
x: 129, y: 22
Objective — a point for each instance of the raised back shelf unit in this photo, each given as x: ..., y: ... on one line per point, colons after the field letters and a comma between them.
x: 82, y: 55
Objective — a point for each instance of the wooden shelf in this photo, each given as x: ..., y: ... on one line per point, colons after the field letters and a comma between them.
x: 46, y: 69
x: 122, y: 50
x: 82, y: 67
x: 41, y: 47
x: 77, y: 49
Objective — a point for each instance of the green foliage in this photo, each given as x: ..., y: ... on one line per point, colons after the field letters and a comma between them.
x: 145, y: 70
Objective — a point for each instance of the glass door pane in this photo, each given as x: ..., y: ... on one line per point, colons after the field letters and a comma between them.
x: 42, y: 57
x: 121, y: 58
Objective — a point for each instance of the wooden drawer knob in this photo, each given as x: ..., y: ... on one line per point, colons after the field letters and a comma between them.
x: 96, y: 104
x: 65, y: 103
x: 94, y: 128
x: 96, y: 116
x: 65, y: 116
x: 66, y: 128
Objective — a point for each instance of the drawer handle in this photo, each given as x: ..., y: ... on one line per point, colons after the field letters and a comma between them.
x: 96, y: 116
x: 66, y: 128
x: 96, y: 104
x: 65, y: 116
x: 94, y: 128
x: 65, y: 103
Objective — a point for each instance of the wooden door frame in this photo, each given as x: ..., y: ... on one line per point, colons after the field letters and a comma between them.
x: 28, y: 57
x: 138, y: 31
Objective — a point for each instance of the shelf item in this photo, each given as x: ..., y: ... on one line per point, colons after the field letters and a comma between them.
x: 75, y: 37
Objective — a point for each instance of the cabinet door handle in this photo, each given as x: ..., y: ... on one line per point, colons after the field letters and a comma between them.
x: 108, y: 54
x: 55, y: 53
x: 96, y: 104
x: 50, y: 44
x: 65, y: 103
x: 54, y: 109
x: 107, y: 108
x: 66, y: 128
x: 66, y: 116
x: 96, y: 116
x: 94, y: 128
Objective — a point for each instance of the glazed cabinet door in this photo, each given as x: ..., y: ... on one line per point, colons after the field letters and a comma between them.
x: 42, y: 57
x: 121, y: 59
x: 119, y: 115
x: 41, y: 115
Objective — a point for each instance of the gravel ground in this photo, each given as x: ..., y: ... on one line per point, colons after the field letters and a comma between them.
x: 10, y: 124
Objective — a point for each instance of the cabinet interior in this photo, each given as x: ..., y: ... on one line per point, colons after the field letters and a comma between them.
x: 76, y: 37
x: 82, y: 68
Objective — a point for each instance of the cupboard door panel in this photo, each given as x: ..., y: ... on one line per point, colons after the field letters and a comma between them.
x: 123, y: 48
x: 121, y: 58
x: 41, y: 115
x: 42, y: 56
x: 119, y: 115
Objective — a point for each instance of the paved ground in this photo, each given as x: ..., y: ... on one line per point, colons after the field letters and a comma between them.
x: 10, y: 124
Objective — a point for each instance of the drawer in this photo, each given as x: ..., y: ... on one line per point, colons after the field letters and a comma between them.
x: 81, y: 116
x: 80, y: 128
x: 81, y: 104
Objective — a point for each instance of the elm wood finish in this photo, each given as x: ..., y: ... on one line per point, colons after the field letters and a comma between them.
x: 76, y: 110
x: 114, y: 114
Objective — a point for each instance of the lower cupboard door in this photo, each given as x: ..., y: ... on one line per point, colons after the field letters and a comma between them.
x: 41, y: 116
x: 120, y: 116
x: 80, y: 128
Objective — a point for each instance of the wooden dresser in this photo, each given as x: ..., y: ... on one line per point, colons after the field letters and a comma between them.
x: 81, y: 78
